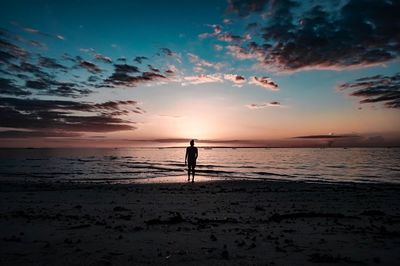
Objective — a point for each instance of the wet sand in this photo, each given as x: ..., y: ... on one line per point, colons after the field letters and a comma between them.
x: 214, y: 223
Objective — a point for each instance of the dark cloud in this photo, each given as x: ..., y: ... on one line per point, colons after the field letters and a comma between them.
x: 167, y: 51
x: 6, y: 57
x: 319, y: 35
x: 37, y: 134
x: 124, y: 68
x: 264, y: 82
x: 13, y: 49
x: 376, y: 89
x: 124, y: 79
x: 275, y: 103
x: 329, y: 136
x: 123, y: 76
x: 246, y: 7
x: 121, y: 59
x: 8, y: 88
x: 89, y: 66
x: 238, y: 77
x: 50, y: 63
x: 153, y: 68
x: 29, y: 68
x: 61, y: 116
x: 263, y: 105
x: 56, y: 88
x: 37, y: 84
x: 68, y: 90
x: 139, y: 59
x: 93, y: 78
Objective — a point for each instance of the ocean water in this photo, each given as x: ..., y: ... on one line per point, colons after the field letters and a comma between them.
x: 380, y: 165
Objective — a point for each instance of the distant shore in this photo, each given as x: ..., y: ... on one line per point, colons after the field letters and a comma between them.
x: 209, y: 222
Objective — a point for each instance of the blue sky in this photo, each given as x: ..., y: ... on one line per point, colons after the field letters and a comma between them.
x: 216, y: 70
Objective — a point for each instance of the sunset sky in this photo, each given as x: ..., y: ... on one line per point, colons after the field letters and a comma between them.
x: 132, y: 73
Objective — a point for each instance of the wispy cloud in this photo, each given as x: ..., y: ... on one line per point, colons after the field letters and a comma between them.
x: 265, y: 82
x: 376, y: 89
x: 201, y: 79
x: 263, y: 105
x: 39, y: 32
x: 237, y: 80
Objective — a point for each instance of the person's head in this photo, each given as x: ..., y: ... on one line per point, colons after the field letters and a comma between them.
x: 192, y: 142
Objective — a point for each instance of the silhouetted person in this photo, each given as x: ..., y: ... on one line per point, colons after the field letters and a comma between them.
x: 190, y: 159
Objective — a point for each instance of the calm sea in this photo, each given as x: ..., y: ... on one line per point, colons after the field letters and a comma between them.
x: 134, y: 164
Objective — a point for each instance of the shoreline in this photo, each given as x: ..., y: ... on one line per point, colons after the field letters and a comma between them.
x: 235, y: 222
x: 182, y: 179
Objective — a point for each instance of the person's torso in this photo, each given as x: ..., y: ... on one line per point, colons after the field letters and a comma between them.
x: 191, y: 152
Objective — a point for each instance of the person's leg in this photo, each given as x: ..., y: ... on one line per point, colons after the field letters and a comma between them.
x: 193, y: 171
x: 188, y: 170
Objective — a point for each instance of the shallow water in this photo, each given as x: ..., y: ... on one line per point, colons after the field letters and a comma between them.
x: 380, y: 165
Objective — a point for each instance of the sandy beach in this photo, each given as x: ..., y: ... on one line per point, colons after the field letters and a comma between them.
x: 213, y: 223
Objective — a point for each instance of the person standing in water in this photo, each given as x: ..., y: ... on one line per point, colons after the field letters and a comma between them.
x: 190, y: 159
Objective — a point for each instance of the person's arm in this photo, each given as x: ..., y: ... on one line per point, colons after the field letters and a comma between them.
x: 197, y: 153
x: 186, y: 155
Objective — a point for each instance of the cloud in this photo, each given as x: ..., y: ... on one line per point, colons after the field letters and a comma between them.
x: 242, y: 53
x: 376, y: 89
x: 228, y: 37
x: 200, y: 63
x: 56, y: 88
x: 103, y: 58
x: 328, y: 136
x: 303, y: 35
x: 151, y: 68
x: 216, y: 30
x: 246, y: 7
x: 122, y: 76
x: 236, y: 79
x: 63, y: 116
x: 139, y: 59
x: 12, y: 50
x: 50, y: 63
x: 37, y: 134
x: 218, y: 47
x: 264, y: 82
x: 263, y: 105
x: 201, y: 79
x: 89, y: 66
x: 8, y: 88
x: 121, y: 59
x: 124, y: 79
x: 39, y: 32
x: 124, y: 68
